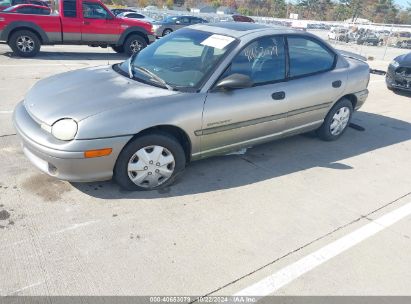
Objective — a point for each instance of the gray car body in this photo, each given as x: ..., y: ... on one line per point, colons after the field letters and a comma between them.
x: 161, y: 26
x: 112, y: 109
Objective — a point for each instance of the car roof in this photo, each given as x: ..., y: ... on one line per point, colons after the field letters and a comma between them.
x: 239, y: 29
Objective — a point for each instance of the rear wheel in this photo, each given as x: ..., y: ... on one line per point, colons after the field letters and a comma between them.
x: 336, y: 121
x: 24, y: 43
x: 149, y: 162
x: 134, y: 44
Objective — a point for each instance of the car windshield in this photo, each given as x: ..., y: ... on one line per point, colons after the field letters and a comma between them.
x: 182, y: 59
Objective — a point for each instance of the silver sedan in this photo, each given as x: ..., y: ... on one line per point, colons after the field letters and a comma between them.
x: 204, y: 90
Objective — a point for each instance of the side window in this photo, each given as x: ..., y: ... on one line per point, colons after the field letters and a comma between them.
x: 44, y: 11
x: 308, y: 56
x: 69, y: 8
x: 25, y: 10
x: 263, y: 60
x: 139, y: 16
x: 94, y: 11
x: 184, y: 20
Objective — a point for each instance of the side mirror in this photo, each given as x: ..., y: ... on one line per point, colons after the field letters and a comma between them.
x: 178, y: 22
x: 234, y: 81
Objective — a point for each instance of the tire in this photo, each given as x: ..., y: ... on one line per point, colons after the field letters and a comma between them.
x: 118, y: 48
x: 24, y: 43
x: 326, y: 131
x: 167, y: 31
x: 134, y: 44
x: 157, y: 170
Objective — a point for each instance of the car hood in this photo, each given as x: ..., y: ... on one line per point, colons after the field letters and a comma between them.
x: 86, y: 92
x: 404, y: 60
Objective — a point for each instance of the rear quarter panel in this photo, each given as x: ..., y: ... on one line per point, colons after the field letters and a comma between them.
x: 358, y: 76
x: 48, y: 27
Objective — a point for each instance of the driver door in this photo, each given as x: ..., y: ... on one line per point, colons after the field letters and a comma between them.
x: 98, y: 24
x: 243, y: 117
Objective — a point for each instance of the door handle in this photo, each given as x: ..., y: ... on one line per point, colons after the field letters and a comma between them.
x: 278, y: 95
x: 337, y: 84
x: 86, y: 22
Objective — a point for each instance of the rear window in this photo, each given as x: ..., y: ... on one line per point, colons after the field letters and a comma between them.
x: 69, y: 8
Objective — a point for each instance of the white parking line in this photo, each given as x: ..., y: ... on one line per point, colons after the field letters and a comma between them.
x: 26, y: 287
x: 6, y: 112
x: 272, y: 283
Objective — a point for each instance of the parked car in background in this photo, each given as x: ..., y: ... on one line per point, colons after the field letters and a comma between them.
x: 28, y: 9
x: 400, y: 39
x: 8, y: 3
x: 368, y: 38
x: 78, y: 22
x: 173, y: 23
x: 135, y: 15
x: 117, y: 11
x: 205, y: 90
x: 241, y: 18
x: 337, y: 34
x: 398, y: 75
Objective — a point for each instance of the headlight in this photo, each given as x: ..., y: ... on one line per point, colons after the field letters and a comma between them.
x: 64, y: 129
x: 395, y: 64
x: 156, y: 27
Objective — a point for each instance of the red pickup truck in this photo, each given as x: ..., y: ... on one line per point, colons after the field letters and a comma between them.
x: 87, y: 22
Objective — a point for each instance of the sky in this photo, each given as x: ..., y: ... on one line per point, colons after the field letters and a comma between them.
x: 402, y: 2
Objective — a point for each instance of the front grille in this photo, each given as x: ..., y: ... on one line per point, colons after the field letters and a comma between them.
x: 402, y: 77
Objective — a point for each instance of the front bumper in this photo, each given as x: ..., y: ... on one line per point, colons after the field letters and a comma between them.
x: 397, y: 81
x: 151, y: 38
x: 65, y: 160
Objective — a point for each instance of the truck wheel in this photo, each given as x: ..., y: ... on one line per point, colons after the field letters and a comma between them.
x: 118, y: 48
x: 134, y: 44
x: 24, y: 43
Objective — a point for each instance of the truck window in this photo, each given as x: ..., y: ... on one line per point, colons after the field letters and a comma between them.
x: 69, y: 8
x: 94, y: 11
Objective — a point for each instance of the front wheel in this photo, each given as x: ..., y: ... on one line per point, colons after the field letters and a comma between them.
x: 149, y: 162
x: 25, y: 43
x: 167, y: 32
x: 336, y: 121
x: 134, y: 44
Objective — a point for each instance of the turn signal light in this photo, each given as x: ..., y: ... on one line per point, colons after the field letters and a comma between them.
x: 97, y: 153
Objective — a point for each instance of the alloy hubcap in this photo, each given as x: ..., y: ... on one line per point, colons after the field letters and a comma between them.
x: 340, y: 121
x: 25, y: 44
x: 135, y: 46
x: 151, y: 166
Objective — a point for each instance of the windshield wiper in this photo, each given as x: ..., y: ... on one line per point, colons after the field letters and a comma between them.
x: 130, y: 66
x: 155, y: 76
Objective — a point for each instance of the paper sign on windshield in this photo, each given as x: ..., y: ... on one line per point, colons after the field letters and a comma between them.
x: 218, y: 41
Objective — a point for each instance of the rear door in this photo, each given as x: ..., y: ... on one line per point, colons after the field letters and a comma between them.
x: 99, y: 25
x: 315, y: 82
x: 71, y: 21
